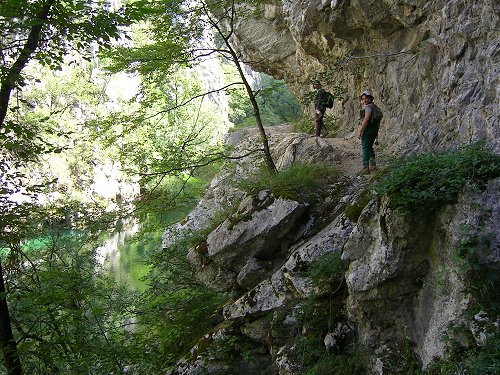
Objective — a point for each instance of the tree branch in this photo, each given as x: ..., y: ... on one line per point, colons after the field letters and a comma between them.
x: 190, y: 100
x: 212, y: 158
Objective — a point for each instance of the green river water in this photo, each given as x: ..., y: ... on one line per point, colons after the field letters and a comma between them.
x: 124, y: 256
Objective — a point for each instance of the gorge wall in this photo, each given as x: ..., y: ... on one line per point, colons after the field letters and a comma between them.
x: 433, y: 66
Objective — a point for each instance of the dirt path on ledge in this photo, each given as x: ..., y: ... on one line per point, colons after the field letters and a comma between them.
x: 348, y: 149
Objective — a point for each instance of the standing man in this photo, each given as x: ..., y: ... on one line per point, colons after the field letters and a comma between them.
x: 319, y: 108
x: 368, y: 131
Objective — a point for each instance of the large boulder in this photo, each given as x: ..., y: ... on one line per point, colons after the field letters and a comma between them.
x: 265, y: 233
x: 288, y: 284
x: 260, y: 232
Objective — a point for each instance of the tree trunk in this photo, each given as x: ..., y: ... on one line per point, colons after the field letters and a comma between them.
x: 234, y: 57
x: 13, y: 75
x: 263, y: 136
x: 7, y: 342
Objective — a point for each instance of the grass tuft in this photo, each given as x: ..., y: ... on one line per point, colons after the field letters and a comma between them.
x: 299, y: 181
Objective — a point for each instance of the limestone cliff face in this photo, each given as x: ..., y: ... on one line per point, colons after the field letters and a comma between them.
x: 404, y: 278
x: 433, y: 66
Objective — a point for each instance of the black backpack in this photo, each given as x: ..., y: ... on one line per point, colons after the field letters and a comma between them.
x: 328, y: 99
x: 376, y: 115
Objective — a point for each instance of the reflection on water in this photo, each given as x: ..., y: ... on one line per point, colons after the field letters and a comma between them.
x: 123, y: 256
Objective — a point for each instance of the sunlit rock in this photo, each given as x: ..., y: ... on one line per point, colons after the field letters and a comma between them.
x: 263, y: 234
x: 288, y: 285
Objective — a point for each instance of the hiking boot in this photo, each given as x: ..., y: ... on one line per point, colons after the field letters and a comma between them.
x: 373, y: 165
x: 365, y: 170
x: 324, y: 134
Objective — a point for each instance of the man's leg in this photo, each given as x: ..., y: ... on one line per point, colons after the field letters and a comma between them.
x: 323, y: 130
x: 318, y: 123
x: 373, y: 164
x: 367, y: 140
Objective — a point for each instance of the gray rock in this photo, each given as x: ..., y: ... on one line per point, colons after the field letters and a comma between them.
x: 258, y: 330
x: 251, y: 272
x: 304, y: 149
x: 412, y: 54
x: 340, y: 333
x: 262, y: 235
x: 287, y: 285
x: 487, y: 217
x: 406, y: 266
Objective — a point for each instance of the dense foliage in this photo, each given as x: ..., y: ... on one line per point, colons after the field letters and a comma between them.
x: 319, y: 315
x: 73, y: 139
x: 174, y: 313
x: 142, y: 118
x: 277, y: 104
x: 428, y: 181
x: 68, y: 316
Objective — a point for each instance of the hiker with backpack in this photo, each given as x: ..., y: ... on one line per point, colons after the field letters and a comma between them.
x: 319, y: 109
x: 368, y: 131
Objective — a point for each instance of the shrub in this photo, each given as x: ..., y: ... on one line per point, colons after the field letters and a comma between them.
x: 428, y: 181
x: 354, y: 363
x: 303, y: 125
x: 332, y: 124
x: 298, y: 181
x: 306, y: 125
x: 318, y: 315
x: 175, y: 311
x: 328, y: 271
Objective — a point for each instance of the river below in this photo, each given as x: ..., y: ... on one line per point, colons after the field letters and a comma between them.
x: 123, y: 255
